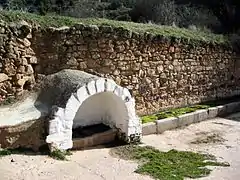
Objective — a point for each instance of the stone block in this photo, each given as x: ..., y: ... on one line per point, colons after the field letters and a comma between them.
x: 78, y: 143
x: 94, y: 140
x: 105, y: 137
x: 88, y: 141
x: 30, y: 134
x: 185, y: 119
x: 212, y: 112
x: 167, y: 124
x: 3, y: 77
x: 200, y: 115
x: 149, y: 128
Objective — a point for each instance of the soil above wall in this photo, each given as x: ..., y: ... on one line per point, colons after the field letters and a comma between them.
x: 160, y: 72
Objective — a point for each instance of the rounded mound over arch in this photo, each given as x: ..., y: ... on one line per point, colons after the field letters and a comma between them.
x: 96, y: 97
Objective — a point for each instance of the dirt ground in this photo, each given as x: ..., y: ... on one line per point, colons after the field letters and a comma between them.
x: 220, y: 137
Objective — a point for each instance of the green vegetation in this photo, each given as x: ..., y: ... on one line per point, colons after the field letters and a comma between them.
x: 172, y: 113
x: 221, y: 16
x: 5, y: 152
x: 60, y: 155
x: 171, y: 165
x: 167, y: 31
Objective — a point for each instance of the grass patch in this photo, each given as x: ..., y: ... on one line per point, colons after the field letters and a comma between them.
x: 5, y: 152
x: 168, y: 31
x: 171, y: 165
x: 60, y: 155
x: 172, y: 113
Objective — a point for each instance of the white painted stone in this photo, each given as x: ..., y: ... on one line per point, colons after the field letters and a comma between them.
x: 133, y: 121
x: 126, y: 93
x: 68, y: 124
x: 60, y: 113
x: 110, y: 85
x: 118, y: 91
x: 82, y: 94
x: 91, y: 87
x: 139, y: 128
x: 130, y: 105
x: 55, y: 138
x: 54, y: 126
x: 100, y: 85
x: 66, y: 145
x: 71, y: 108
x: 131, y: 130
x: 67, y: 134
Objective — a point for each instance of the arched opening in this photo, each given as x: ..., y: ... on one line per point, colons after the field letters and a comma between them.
x: 103, y: 107
x: 103, y: 115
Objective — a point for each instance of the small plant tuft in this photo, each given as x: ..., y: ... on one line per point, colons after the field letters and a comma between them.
x: 5, y: 152
x: 60, y: 155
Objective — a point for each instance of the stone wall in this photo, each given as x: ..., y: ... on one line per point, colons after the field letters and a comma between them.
x: 160, y: 72
x: 16, y: 60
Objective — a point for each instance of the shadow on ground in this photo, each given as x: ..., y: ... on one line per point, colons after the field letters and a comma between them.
x: 234, y: 117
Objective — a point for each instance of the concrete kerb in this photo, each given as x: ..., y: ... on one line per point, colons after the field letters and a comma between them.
x: 167, y: 124
x: 149, y: 128
x: 159, y: 126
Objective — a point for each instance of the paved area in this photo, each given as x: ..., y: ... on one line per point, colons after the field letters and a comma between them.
x: 220, y: 137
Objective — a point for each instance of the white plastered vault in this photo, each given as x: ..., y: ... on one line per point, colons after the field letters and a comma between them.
x: 100, y: 100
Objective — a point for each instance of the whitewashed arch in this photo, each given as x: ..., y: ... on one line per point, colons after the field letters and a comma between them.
x: 62, y: 122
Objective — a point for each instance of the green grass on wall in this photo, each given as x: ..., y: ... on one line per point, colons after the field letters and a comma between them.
x: 167, y: 31
x: 172, y: 113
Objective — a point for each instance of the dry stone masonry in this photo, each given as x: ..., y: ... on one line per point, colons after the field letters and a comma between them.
x: 160, y: 72
x: 16, y: 60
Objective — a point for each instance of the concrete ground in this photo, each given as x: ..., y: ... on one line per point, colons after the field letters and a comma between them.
x: 220, y: 137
